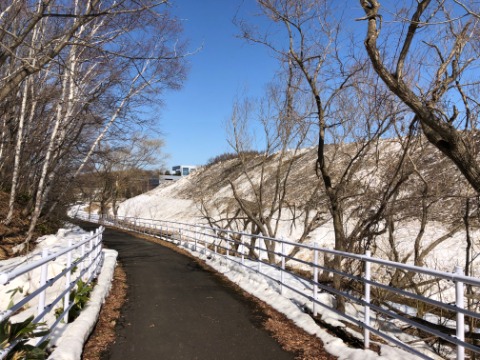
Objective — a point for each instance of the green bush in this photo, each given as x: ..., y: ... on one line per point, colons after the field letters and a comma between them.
x: 21, y: 333
x: 79, y: 297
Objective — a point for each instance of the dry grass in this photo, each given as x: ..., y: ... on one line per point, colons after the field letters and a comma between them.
x: 13, y: 233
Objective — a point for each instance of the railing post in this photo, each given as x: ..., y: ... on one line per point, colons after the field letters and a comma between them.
x: 366, y: 320
x: 459, y: 301
x: 243, y: 249
x: 66, y: 299
x: 315, y: 278
x: 99, y: 250
x: 82, y: 263
x: 43, y: 281
x: 282, y: 272
x: 90, y: 256
x: 206, y: 238
x: 95, y: 253
x: 196, y: 238
x: 259, y: 256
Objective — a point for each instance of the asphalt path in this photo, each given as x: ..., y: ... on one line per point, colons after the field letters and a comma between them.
x: 177, y: 310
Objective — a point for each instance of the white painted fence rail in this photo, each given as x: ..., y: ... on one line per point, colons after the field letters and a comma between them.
x: 439, y: 313
x: 86, y: 267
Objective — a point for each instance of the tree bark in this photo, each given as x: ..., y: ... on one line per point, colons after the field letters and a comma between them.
x: 441, y: 134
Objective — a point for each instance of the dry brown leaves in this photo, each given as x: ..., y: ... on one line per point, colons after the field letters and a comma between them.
x: 292, y: 338
x: 104, y: 333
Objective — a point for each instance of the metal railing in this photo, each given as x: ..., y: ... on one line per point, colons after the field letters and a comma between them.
x: 366, y: 283
x: 86, y: 267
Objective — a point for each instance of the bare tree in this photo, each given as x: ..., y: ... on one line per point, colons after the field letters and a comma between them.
x: 333, y: 76
x: 273, y: 201
x: 432, y: 69
x: 75, y: 73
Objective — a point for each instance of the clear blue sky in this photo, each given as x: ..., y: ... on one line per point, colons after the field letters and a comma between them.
x: 193, y: 118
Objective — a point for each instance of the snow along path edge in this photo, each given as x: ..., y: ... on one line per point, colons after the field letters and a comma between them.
x: 258, y: 286
x: 70, y: 344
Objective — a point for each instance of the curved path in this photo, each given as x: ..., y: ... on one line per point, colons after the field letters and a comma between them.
x: 177, y: 310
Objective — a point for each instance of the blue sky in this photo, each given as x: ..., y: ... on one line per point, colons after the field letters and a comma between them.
x: 193, y: 118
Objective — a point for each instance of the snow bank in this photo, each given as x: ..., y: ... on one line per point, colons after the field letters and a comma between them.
x: 69, y: 345
x: 266, y: 290
x: 67, y: 339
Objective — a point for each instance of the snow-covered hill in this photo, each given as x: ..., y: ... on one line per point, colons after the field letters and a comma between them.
x: 423, y: 218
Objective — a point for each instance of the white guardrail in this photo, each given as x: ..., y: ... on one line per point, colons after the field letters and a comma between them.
x: 86, y: 266
x: 370, y: 289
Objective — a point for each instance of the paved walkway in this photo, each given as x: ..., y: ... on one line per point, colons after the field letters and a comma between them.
x: 177, y: 310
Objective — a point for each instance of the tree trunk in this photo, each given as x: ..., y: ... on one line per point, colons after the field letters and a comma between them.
x: 18, y: 154
x: 438, y: 132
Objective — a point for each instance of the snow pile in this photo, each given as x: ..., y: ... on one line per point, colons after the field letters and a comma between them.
x: 162, y: 203
x: 67, y: 339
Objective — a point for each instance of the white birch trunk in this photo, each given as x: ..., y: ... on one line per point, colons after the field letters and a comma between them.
x: 64, y: 110
x: 21, y: 121
x: 18, y: 154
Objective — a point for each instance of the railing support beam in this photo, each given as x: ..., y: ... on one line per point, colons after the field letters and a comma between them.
x: 366, y: 296
x: 459, y: 301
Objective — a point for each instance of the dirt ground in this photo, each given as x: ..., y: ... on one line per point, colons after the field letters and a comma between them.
x: 104, y: 332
